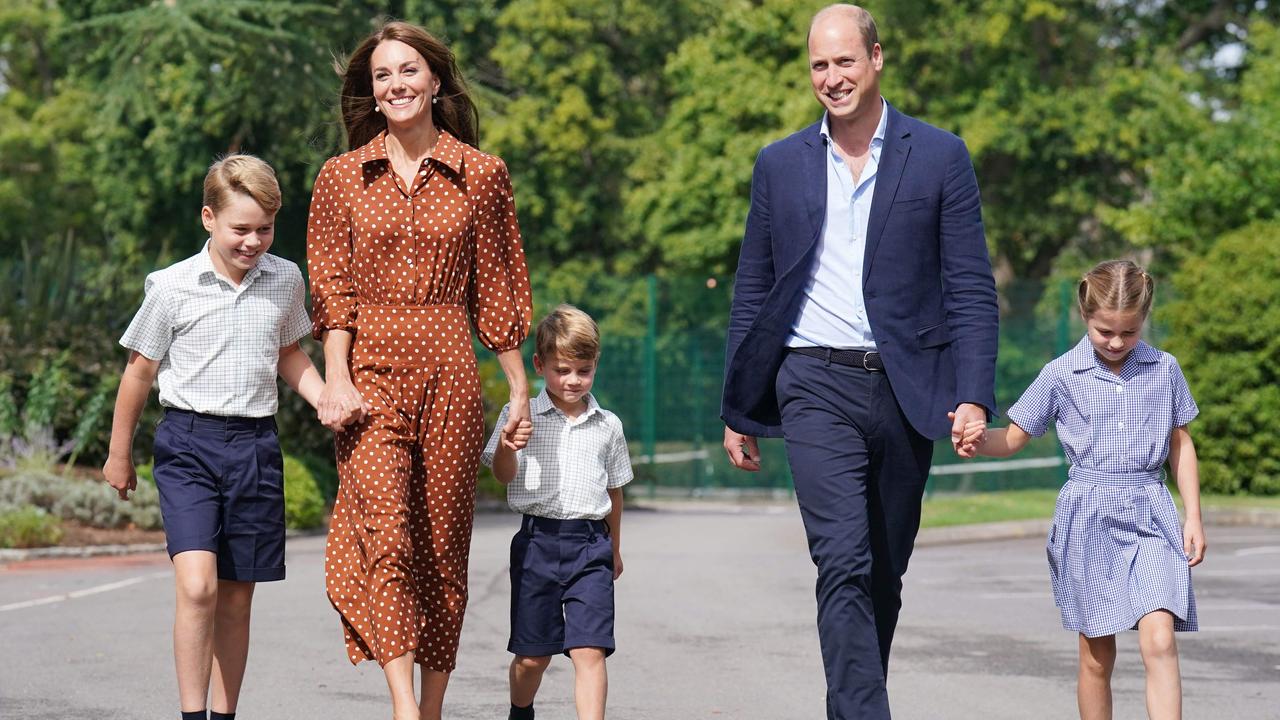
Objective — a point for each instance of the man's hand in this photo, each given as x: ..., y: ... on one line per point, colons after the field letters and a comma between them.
x: 744, y: 451
x: 967, y: 414
x: 972, y: 436
x: 121, y: 475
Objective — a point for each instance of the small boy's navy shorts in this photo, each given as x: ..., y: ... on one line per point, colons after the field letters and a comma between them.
x: 221, y: 483
x: 561, y: 587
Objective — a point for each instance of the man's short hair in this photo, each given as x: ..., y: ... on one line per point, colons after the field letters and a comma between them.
x: 866, y: 24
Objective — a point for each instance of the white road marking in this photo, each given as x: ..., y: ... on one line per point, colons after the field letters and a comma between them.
x: 1261, y: 550
x: 84, y: 592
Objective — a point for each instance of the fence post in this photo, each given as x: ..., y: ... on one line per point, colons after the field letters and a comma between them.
x: 1064, y: 343
x: 649, y: 434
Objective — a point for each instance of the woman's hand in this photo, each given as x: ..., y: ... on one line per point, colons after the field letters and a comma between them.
x: 519, y: 427
x: 340, y: 405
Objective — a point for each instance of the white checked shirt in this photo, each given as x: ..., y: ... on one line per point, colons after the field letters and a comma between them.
x: 1110, y: 426
x: 218, y: 344
x: 569, y: 465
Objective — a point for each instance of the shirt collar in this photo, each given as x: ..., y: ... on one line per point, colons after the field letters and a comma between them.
x: 1082, y: 356
x: 541, y: 404
x: 881, y: 128
x: 448, y: 150
x: 204, y: 266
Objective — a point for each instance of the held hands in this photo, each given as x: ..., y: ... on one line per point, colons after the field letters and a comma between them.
x: 968, y: 429
x: 519, y: 427
x: 121, y: 475
x: 743, y: 450
x: 1193, y: 543
x: 340, y: 405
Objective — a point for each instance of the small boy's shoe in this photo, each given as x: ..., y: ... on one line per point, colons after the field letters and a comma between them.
x: 521, y: 713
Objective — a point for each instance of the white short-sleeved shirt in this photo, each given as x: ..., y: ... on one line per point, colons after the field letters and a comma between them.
x: 569, y: 465
x: 218, y: 343
x: 1110, y: 426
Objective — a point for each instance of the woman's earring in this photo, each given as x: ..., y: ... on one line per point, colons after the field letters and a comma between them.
x: 376, y: 108
x: 435, y: 99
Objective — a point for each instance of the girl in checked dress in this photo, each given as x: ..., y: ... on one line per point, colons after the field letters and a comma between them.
x: 1118, y: 556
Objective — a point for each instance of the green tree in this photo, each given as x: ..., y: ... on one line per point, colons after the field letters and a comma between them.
x: 582, y: 92
x: 1225, y: 331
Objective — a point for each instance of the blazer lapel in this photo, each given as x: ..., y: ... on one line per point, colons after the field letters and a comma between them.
x: 893, y: 158
x: 814, y: 186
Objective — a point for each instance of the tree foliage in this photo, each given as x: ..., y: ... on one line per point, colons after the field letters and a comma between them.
x: 1223, y: 331
x: 629, y: 126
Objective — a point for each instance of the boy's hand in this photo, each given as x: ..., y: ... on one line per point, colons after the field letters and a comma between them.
x: 121, y: 475
x: 519, y: 438
x: 970, y: 436
x: 1193, y: 543
x: 617, y: 564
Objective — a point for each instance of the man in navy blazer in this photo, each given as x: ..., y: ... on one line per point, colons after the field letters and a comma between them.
x: 864, y: 313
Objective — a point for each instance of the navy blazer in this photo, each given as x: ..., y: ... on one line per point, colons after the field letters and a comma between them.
x: 926, y: 276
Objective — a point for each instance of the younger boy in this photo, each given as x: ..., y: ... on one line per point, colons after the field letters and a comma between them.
x: 215, y: 328
x: 568, y: 484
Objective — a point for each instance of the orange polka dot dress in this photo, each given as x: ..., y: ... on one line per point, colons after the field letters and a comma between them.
x: 407, y: 270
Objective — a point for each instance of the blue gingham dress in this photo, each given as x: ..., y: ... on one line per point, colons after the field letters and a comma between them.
x: 1115, y: 549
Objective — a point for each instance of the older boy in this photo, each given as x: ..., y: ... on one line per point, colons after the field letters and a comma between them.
x: 567, y: 483
x: 215, y: 328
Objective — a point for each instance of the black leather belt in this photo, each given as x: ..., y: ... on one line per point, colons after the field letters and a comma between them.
x: 869, y: 361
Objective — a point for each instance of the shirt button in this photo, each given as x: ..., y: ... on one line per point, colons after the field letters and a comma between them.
x: 1119, y: 389
x: 1120, y: 425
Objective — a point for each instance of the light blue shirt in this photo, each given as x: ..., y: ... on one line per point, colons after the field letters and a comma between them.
x: 833, y: 313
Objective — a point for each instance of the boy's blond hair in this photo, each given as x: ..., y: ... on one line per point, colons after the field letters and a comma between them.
x: 569, y: 333
x: 241, y: 173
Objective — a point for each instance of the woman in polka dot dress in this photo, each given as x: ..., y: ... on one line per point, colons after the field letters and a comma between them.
x: 412, y: 237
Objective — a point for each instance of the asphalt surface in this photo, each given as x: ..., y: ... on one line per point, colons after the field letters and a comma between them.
x: 715, y: 620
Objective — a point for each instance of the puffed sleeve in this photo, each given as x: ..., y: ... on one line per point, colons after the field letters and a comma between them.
x: 1038, y: 406
x: 333, y: 294
x: 1184, y: 406
x: 499, y: 299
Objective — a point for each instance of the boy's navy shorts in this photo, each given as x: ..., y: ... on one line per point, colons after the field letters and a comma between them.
x: 561, y: 587
x: 221, y: 483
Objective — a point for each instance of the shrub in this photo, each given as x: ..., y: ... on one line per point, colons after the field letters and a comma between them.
x: 90, y: 502
x: 303, y: 503
x: 1225, y: 331
x: 27, y: 526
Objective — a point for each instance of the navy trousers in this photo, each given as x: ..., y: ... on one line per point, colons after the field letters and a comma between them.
x: 859, y: 470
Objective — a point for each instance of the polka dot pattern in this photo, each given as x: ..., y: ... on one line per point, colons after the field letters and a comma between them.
x: 406, y: 269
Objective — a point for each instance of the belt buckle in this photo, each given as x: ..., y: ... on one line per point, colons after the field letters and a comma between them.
x: 867, y: 355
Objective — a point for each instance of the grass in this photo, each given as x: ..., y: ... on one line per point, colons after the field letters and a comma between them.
x: 941, y: 510
x: 1234, y: 502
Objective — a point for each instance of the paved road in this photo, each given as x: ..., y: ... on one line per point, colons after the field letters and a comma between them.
x: 715, y: 621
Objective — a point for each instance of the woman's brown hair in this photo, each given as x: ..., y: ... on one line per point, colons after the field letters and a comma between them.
x: 454, y: 112
x: 1116, y: 285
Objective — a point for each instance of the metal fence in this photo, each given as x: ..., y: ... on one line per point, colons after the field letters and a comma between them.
x: 662, y: 365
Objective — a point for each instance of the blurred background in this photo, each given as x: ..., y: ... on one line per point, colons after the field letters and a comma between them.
x: 1147, y: 129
